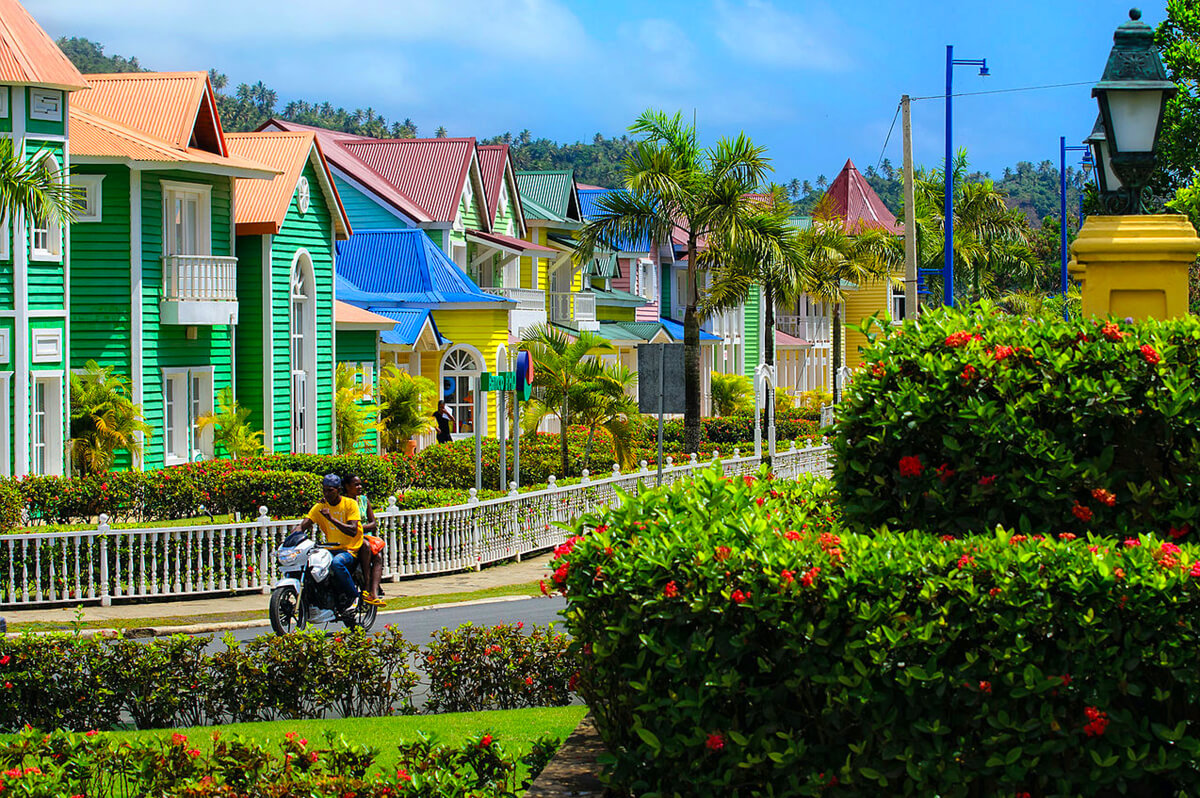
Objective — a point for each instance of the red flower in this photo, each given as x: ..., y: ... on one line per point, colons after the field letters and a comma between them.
x: 957, y: 339
x: 1066, y: 679
x: 1112, y: 332
x: 910, y: 466
x: 1081, y: 512
x: 809, y: 577
x: 178, y: 739
x: 1173, y: 532
x: 600, y: 530
x: 988, y: 480
x: 1002, y: 352
x: 485, y: 741
x: 985, y: 687
x: 560, y: 573
x: 670, y: 590
x: 739, y: 597
x: 944, y: 472
x: 965, y: 561
x: 5, y: 659
x: 1195, y: 572
x: 1104, y: 497
x: 722, y: 553
x: 715, y: 742
x: 1067, y: 536
x: 1131, y: 543
x: 1150, y: 355
x: 1119, y: 573
x: 402, y: 775
x: 878, y: 370
x: 968, y: 373
x: 1097, y: 722
x: 528, y: 680
x: 760, y: 501
x: 792, y: 534
x: 1015, y: 539
x: 787, y: 576
x: 748, y: 480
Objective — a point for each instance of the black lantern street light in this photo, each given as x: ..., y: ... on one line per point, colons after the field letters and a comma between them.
x: 1132, y: 95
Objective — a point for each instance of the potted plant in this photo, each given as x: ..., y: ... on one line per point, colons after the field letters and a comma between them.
x: 405, y: 408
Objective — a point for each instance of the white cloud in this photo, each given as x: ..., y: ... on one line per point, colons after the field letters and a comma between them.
x: 757, y: 31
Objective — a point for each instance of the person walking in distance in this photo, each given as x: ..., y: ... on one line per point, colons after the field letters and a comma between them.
x: 445, y: 422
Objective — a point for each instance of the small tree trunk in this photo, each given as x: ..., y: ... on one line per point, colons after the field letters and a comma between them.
x: 562, y: 434
x: 837, y: 350
x: 691, y: 357
x: 587, y: 450
x: 768, y: 348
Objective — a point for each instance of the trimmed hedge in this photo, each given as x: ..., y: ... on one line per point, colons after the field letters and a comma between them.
x: 12, y: 505
x: 738, y: 640
x: 967, y: 420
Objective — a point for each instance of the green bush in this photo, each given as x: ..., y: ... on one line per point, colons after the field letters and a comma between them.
x: 285, y: 494
x: 973, y: 419
x: 737, y: 640
x: 12, y: 505
x: 499, y: 667
x: 376, y: 472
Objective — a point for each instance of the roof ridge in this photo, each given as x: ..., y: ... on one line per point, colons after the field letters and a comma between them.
x: 144, y: 75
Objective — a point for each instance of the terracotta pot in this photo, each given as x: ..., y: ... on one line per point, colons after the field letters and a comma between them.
x: 410, y: 447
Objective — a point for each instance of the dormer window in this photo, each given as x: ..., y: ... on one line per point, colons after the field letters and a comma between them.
x: 46, y: 105
x: 302, y: 195
x: 87, y: 197
x: 45, y: 234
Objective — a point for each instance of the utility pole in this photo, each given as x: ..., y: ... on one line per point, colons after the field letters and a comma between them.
x: 911, y: 306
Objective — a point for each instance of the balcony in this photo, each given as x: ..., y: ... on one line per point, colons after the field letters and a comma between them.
x: 198, y: 290
x: 576, y: 309
x: 530, y: 310
x: 815, y: 329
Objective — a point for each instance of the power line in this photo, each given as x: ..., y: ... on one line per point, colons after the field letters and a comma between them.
x: 1008, y: 91
x: 889, y: 136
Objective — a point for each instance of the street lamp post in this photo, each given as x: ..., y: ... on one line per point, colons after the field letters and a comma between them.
x: 948, y: 267
x: 1063, y: 149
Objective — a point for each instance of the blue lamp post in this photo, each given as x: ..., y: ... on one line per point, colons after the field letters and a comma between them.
x: 948, y: 268
x: 1063, y: 149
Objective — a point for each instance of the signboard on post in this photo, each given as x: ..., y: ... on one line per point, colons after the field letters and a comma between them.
x: 669, y: 375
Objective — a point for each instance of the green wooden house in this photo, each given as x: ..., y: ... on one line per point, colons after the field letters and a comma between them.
x: 284, y: 342
x: 36, y: 85
x: 154, y: 283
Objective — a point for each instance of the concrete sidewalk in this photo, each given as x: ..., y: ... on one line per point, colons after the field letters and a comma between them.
x: 194, y: 610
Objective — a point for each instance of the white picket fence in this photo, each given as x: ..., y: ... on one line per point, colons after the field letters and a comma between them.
x: 103, y: 565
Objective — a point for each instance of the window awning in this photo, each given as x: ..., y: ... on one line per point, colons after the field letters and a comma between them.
x: 513, y: 246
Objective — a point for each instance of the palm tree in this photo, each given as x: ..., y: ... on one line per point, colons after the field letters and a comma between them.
x: 352, y: 408
x: 562, y: 363
x: 731, y: 394
x: 405, y: 407
x: 29, y: 188
x: 231, y: 427
x: 676, y: 189
x: 104, y: 420
x: 603, y: 401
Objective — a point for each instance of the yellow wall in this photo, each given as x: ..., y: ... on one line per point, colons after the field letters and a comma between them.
x: 483, y: 329
x: 861, y: 304
x: 529, y: 278
x: 614, y: 313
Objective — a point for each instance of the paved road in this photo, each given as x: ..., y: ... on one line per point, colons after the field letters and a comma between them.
x: 417, y: 624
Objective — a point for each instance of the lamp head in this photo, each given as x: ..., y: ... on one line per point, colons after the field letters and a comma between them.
x: 983, y: 69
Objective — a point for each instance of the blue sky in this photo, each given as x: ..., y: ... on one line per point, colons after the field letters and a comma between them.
x: 815, y: 82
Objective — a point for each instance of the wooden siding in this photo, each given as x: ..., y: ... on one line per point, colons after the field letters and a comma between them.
x: 248, y: 382
x: 752, y: 331
x: 355, y: 347
x: 101, y: 324
x: 861, y: 304
x: 483, y: 329
x: 41, y: 125
x: 167, y: 346
x: 364, y: 212
x: 47, y: 290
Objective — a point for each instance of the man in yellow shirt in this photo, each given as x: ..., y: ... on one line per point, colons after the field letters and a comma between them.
x: 338, y: 519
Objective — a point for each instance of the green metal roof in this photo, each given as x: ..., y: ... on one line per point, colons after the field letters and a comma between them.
x: 618, y: 298
x: 614, y: 331
x: 535, y: 210
x: 802, y: 222
x: 553, y: 191
x: 644, y: 330
x: 605, y: 266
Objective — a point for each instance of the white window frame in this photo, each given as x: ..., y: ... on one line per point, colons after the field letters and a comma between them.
x: 5, y: 349
x: 5, y: 238
x: 46, y: 105
x: 47, y: 346
x: 5, y: 413
x: 458, y: 254
x: 303, y: 195
x: 53, y: 251
x: 90, y: 193
x: 302, y: 265
x: 203, y: 193
x: 458, y: 374
x: 185, y: 409
x: 5, y: 93
x: 53, y: 421
x: 365, y: 377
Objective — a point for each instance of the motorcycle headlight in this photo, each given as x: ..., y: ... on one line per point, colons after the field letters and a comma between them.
x: 287, y: 556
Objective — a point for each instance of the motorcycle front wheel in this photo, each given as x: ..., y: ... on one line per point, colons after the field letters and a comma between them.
x: 364, y: 615
x: 286, y: 613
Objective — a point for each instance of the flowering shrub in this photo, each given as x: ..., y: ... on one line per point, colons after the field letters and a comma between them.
x: 498, y: 667
x: 11, y: 505
x: 735, y: 635
x: 37, y: 765
x: 285, y: 494
x: 970, y: 419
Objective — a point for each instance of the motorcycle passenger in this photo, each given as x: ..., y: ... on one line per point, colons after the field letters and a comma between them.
x: 370, y: 554
x: 338, y: 519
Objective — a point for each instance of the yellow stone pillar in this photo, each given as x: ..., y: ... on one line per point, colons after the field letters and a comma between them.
x: 1134, y: 266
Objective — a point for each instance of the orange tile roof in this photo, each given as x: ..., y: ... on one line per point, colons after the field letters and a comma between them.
x: 94, y: 136
x: 345, y: 313
x: 169, y: 106
x: 28, y: 56
x: 262, y: 205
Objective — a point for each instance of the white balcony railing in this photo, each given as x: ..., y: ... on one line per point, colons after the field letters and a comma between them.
x: 199, y: 289
x: 526, y: 298
x: 572, y: 307
x: 809, y: 328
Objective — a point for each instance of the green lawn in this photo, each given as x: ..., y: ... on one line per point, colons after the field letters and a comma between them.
x: 516, y: 729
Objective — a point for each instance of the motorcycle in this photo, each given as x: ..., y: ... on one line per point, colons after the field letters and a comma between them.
x: 305, y: 595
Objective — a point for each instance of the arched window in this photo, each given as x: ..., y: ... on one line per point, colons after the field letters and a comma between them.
x: 302, y: 195
x: 461, y: 365
x: 304, y: 354
x: 45, y: 235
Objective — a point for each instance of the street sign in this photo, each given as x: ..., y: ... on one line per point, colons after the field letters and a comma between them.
x: 660, y: 364
x: 504, y: 381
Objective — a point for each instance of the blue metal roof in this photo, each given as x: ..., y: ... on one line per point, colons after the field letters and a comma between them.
x: 675, y: 330
x: 589, y: 206
x: 409, y: 323
x: 392, y: 266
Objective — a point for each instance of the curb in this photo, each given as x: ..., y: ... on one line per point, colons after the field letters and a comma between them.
x: 142, y: 632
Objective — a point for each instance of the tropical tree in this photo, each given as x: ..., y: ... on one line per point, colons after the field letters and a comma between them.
x: 29, y: 188
x: 604, y: 401
x: 352, y: 407
x: 677, y: 190
x: 231, y: 427
x: 564, y: 371
x: 405, y: 407
x: 104, y: 420
x: 731, y: 394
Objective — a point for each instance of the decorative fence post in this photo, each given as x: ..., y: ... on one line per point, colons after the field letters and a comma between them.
x: 514, y: 528
x: 585, y: 477
x: 102, y: 533
x: 264, y: 530
x: 391, y: 562
x: 476, y: 539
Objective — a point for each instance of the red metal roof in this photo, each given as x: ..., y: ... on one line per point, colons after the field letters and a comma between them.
x: 262, y: 205
x: 333, y: 146
x: 492, y: 160
x: 857, y: 203
x: 784, y: 339
x: 430, y: 172
x: 513, y: 244
x: 28, y: 56
x: 178, y: 108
